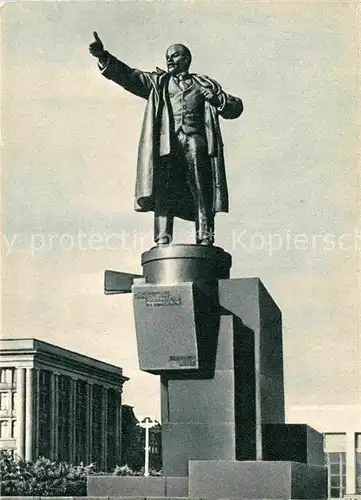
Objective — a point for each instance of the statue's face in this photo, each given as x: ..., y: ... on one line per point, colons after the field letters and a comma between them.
x: 177, y: 58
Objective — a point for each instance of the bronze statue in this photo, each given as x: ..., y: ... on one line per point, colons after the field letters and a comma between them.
x: 181, y: 169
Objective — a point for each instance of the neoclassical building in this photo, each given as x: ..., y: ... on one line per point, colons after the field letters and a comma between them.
x: 59, y: 404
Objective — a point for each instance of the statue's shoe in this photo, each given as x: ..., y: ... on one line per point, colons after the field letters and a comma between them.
x: 206, y: 243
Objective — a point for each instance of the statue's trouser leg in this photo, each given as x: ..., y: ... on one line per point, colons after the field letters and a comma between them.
x: 199, y: 178
x: 163, y: 213
x: 163, y: 228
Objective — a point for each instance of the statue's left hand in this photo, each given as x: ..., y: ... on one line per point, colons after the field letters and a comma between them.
x: 210, y: 96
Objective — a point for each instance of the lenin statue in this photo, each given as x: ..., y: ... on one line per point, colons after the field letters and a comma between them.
x: 180, y: 170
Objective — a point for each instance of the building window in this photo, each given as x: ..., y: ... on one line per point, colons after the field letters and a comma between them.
x: 13, y: 402
x: 4, y: 429
x: 13, y: 428
x: 9, y: 453
x: 358, y: 464
x: 7, y: 376
x: 336, y: 464
x: 358, y: 473
x: 4, y: 401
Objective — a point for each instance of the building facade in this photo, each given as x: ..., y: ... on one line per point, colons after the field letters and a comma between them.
x: 341, y: 428
x: 59, y: 404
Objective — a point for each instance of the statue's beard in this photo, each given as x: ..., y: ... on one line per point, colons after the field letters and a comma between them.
x: 175, y: 69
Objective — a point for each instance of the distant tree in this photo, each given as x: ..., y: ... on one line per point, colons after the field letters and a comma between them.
x: 133, y: 442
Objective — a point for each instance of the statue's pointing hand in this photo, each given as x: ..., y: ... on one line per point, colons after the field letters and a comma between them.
x: 96, y: 48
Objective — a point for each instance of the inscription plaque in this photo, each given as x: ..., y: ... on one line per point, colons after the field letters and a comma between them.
x: 165, y: 326
x: 157, y: 299
x: 183, y: 360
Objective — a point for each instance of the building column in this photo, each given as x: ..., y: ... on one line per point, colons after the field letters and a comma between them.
x: 72, y: 419
x: 20, y: 412
x: 54, y: 414
x: 118, y: 428
x: 350, y: 463
x: 36, y: 410
x: 105, y: 428
x: 89, y: 423
x: 29, y: 417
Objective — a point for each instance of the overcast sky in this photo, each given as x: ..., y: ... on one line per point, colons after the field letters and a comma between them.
x: 69, y: 156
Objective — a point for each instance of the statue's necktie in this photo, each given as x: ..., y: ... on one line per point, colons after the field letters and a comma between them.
x: 183, y: 81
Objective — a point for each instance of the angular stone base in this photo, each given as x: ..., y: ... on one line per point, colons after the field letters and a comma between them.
x: 125, y: 486
x: 256, y: 479
x: 292, y: 443
x: 137, y: 487
x: 216, y: 479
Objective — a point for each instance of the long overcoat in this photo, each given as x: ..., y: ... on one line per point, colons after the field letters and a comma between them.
x: 156, y: 142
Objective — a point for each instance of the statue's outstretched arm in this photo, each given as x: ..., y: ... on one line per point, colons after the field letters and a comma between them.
x: 135, y: 81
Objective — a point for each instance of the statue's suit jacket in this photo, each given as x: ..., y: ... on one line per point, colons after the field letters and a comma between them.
x: 156, y: 138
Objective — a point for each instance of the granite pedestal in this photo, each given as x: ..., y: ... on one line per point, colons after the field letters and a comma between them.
x: 217, y: 345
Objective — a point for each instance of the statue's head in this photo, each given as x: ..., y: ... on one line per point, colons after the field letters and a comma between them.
x: 178, y: 58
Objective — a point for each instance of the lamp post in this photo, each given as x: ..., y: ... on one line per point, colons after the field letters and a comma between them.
x: 147, y: 423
